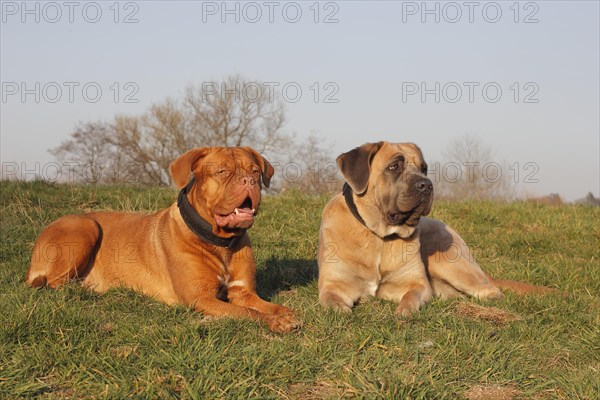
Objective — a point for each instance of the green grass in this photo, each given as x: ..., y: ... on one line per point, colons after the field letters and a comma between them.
x: 71, y: 343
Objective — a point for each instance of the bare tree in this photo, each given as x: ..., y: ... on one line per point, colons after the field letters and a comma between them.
x: 310, y: 168
x: 589, y: 200
x: 469, y: 171
x: 152, y: 141
x: 89, y: 153
x: 235, y: 112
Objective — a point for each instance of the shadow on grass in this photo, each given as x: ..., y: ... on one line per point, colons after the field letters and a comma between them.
x: 282, y: 274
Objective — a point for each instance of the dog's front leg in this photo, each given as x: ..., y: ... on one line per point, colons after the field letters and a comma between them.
x: 408, y: 286
x: 217, y: 308
x: 204, y: 298
x: 241, y: 288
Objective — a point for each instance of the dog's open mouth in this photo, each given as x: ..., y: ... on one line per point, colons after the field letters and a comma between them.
x: 241, y: 217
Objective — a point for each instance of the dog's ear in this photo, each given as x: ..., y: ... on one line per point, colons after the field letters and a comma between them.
x: 265, y: 166
x: 355, y: 165
x: 267, y: 170
x: 181, y: 168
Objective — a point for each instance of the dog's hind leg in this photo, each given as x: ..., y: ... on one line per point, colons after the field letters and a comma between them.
x: 450, y: 264
x: 63, y: 251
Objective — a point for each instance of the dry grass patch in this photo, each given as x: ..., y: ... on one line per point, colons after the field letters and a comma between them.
x: 123, y: 351
x: 492, y: 392
x: 489, y: 314
x: 320, y: 390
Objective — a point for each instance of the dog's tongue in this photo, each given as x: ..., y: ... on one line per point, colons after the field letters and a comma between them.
x: 237, y: 217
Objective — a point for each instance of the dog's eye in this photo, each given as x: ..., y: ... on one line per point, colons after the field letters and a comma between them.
x: 255, y: 172
x: 396, y: 164
x: 221, y: 172
x: 424, y: 168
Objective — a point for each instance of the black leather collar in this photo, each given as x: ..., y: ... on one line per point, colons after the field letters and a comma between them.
x: 347, y: 192
x: 199, y: 225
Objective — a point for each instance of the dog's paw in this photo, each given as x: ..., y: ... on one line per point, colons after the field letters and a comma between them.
x: 408, y: 305
x: 404, y: 310
x: 284, y: 311
x: 335, y: 302
x: 341, y: 307
x: 282, y: 323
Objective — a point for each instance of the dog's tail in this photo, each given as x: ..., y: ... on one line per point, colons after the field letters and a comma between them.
x: 520, y: 287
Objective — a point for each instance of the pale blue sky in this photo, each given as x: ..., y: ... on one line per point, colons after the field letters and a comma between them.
x: 370, y: 54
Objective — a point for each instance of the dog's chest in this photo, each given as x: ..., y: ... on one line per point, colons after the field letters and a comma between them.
x: 224, y: 270
x: 393, y: 258
x: 397, y: 253
x: 224, y: 265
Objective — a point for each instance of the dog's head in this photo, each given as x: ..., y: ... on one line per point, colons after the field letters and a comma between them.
x: 390, y: 178
x: 227, y: 186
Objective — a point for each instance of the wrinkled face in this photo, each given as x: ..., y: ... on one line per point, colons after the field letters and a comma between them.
x: 399, y: 182
x: 392, y: 178
x: 227, y: 185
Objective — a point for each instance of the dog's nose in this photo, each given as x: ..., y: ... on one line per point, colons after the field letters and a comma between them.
x: 247, y: 181
x: 424, y: 186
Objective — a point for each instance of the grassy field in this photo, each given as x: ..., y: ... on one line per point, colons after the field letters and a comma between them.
x: 71, y: 343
